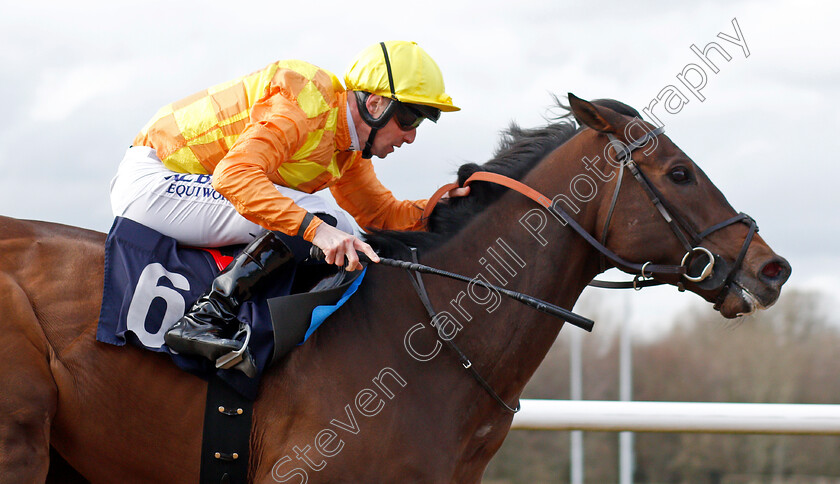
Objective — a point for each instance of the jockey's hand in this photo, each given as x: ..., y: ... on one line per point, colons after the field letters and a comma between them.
x: 337, y: 245
x: 456, y: 192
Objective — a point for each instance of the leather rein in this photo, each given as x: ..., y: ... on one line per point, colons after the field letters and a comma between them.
x: 645, y: 273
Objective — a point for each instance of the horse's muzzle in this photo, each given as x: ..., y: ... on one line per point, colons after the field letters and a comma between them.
x: 750, y: 291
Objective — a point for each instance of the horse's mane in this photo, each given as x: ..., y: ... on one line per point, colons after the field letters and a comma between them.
x: 519, y: 151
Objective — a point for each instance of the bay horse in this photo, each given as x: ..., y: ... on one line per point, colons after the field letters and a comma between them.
x: 373, y: 396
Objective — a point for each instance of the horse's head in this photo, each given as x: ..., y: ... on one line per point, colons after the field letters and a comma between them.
x: 663, y: 210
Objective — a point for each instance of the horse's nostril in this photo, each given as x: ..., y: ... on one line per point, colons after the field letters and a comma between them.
x: 772, y: 270
x: 776, y: 270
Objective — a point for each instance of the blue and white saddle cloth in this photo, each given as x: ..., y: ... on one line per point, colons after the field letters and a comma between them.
x: 150, y: 282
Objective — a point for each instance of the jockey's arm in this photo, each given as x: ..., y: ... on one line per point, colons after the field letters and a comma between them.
x: 242, y: 175
x: 361, y: 193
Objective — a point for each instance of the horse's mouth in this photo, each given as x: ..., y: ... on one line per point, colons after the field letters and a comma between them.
x: 740, y: 301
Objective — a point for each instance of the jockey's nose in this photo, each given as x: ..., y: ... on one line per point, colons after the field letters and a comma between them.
x: 410, y: 135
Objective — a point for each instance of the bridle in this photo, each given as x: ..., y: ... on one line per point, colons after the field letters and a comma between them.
x: 707, y: 278
x: 647, y: 273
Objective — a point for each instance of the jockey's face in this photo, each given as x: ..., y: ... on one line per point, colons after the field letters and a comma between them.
x: 390, y: 136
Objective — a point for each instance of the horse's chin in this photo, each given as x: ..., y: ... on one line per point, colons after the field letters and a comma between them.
x: 740, y: 301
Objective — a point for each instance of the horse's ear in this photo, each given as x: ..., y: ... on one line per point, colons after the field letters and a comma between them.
x: 596, y: 117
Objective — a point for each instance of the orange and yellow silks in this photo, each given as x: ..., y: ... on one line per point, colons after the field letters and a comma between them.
x: 285, y: 125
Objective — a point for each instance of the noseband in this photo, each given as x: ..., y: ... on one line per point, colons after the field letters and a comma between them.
x: 707, y: 278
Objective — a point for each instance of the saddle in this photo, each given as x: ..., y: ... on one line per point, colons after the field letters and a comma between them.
x: 150, y: 281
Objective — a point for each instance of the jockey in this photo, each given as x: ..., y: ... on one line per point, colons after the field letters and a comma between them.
x: 267, y: 141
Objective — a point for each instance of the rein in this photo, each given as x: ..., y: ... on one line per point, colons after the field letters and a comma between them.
x: 545, y: 202
x: 646, y: 272
x: 315, y: 253
x: 414, y: 270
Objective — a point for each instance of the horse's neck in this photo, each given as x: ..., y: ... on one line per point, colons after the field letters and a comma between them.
x: 504, y: 340
x: 508, y: 341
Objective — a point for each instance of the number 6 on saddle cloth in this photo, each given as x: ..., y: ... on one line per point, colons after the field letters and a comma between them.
x: 150, y: 282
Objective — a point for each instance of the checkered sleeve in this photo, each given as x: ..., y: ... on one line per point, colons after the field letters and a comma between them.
x: 361, y: 193
x: 277, y: 130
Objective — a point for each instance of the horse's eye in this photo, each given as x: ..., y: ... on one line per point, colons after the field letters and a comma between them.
x: 680, y: 175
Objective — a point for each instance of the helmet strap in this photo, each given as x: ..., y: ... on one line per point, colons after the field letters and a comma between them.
x: 374, y: 123
x: 379, y: 122
x: 366, y: 154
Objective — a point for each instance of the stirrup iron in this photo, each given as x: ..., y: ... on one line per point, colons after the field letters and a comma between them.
x: 233, y: 358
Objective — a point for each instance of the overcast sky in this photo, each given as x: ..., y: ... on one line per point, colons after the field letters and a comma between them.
x: 80, y: 78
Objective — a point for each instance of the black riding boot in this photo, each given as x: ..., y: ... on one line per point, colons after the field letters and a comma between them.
x: 208, y: 327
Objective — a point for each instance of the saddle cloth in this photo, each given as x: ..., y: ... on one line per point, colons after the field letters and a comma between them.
x: 150, y: 282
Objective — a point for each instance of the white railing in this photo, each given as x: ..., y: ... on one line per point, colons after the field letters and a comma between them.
x: 758, y: 418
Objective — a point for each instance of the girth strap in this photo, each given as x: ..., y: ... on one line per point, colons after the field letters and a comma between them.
x: 226, y: 437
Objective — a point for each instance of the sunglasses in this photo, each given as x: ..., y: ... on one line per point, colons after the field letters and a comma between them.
x: 408, y: 118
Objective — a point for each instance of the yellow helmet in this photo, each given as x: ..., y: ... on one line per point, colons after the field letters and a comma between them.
x: 402, y: 71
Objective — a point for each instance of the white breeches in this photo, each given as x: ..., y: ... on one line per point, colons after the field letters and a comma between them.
x: 187, y: 208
